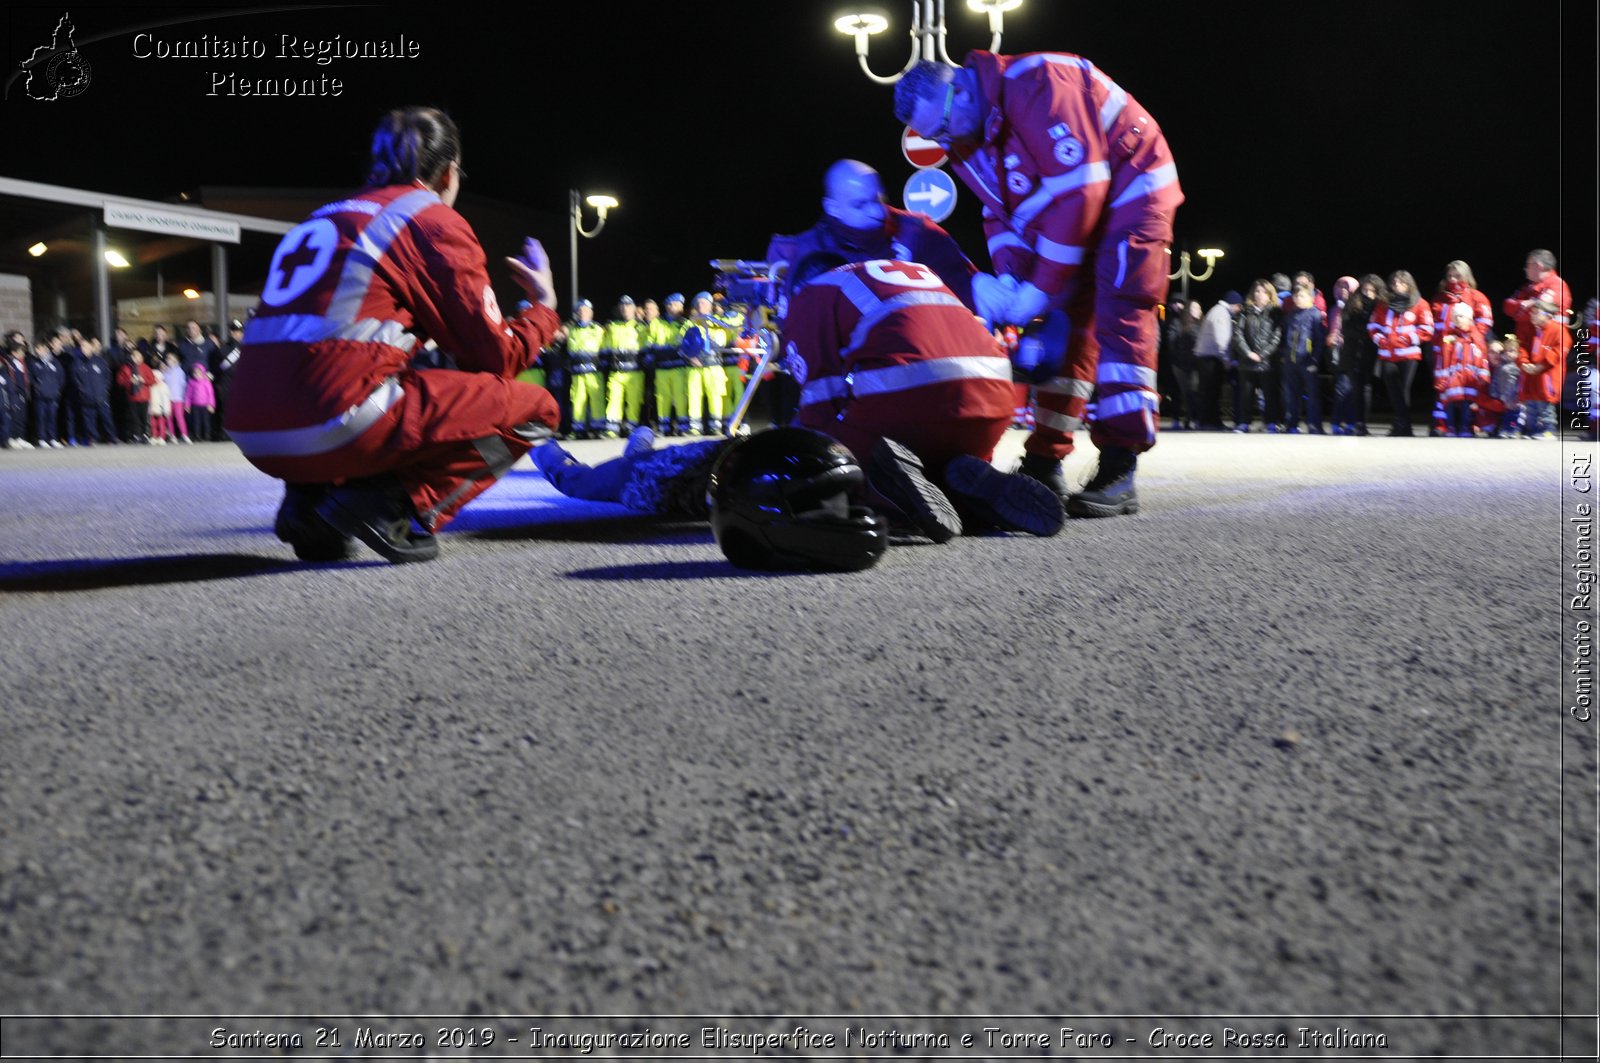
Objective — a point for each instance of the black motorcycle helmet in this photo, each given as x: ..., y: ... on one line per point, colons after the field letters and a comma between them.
x: 781, y: 499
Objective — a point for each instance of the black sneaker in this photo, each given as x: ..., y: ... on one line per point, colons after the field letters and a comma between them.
x: 297, y: 524
x: 1010, y: 502
x: 1110, y: 492
x: 897, y: 474
x: 1046, y: 470
x: 378, y: 512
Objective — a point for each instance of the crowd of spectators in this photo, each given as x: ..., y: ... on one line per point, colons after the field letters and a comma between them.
x: 1282, y: 354
x: 67, y: 389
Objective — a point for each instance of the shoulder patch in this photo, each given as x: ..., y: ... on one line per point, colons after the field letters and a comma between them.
x: 1018, y: 182
x: 1069, y: 151
x: 1011, y: 160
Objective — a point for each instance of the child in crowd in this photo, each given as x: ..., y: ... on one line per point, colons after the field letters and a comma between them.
x: 160, y: 411
x: 200, y: 402
x: 1543, y: 368
x: 1303, y: 336
x: 1462, y: 370
x: 177, y: 389
x: 1505, y: 382
x: 135, y: 379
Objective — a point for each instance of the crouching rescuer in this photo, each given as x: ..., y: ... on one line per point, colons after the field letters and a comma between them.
x: 324, y: 396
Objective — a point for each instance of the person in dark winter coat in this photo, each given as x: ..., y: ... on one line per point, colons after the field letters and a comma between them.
x: 1346, y: 321
x: 196, y: 348
x: 91, y: 396
x: 14, y: 366
x: 222, y: 376
x: 49, y: 381
x: 1180, y: 332
x: 1303, y: 335
x: 1257, y: 334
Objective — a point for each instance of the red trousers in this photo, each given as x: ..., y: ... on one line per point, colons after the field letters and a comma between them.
x: 448, y: 438
x: 1111, y: 352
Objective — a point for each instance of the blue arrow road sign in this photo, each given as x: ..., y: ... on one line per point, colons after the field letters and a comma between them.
x: 931, y: 192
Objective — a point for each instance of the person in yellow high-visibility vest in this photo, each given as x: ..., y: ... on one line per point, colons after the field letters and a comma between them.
x: 661, y: 337
x: 708, y: 333
x: 625, y: 382
x: 583, y: 356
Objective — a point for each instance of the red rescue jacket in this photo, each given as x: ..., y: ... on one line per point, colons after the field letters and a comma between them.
x: 1400, y: 334
x: 1547, y: 351
x: 352, y: 290
x: 1550, y: 287
x: 1067, y: 155
x: 1444, y: 302
x: 883, y: 338
x: 1462, y: 368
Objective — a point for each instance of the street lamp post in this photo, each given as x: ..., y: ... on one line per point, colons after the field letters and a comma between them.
x: 575, y: 215
x: 927, y: 32
x: 1186, y: 274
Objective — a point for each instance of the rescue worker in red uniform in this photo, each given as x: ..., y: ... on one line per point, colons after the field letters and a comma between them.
x: 857, y: 225
x: 1079, y: 190
x: 893, y: 365
x: 323, y: 395
x: 1400, y: 324
x: 1543, y: 283
x: 1544, y: 369
x: 1460, y: 286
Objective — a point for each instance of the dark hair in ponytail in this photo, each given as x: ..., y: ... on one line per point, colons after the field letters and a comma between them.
x: 413, y: 144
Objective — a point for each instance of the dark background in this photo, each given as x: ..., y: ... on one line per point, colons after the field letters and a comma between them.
x: 1340, y: 140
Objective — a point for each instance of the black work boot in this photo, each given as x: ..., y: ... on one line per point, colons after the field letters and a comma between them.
x: 1010, y: 502
x: 297, y: 524
x: 378, y: 511
x: 1046, y: 470
x: 896, y: 474
x: 1109, y: 492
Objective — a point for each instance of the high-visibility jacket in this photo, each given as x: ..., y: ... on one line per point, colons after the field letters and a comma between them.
x: 705, y: 337
x: 1461, y: 371
x: 583, y: 347
x: 661, y: 338
x: 1066, y: 151
x: 620, y: 345
x: 1400, y: 334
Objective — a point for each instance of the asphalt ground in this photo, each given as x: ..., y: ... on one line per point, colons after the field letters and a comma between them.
x: 1290, y: 742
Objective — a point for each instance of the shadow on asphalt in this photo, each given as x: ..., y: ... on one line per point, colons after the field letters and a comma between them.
x: 676, y: 570
x: 630, y: 529
x: 93, y: 574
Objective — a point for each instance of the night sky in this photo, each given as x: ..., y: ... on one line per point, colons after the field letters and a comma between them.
x: 1379, y: 138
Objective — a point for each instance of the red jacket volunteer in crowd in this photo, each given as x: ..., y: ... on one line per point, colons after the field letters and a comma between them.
x: 1543, y: 283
